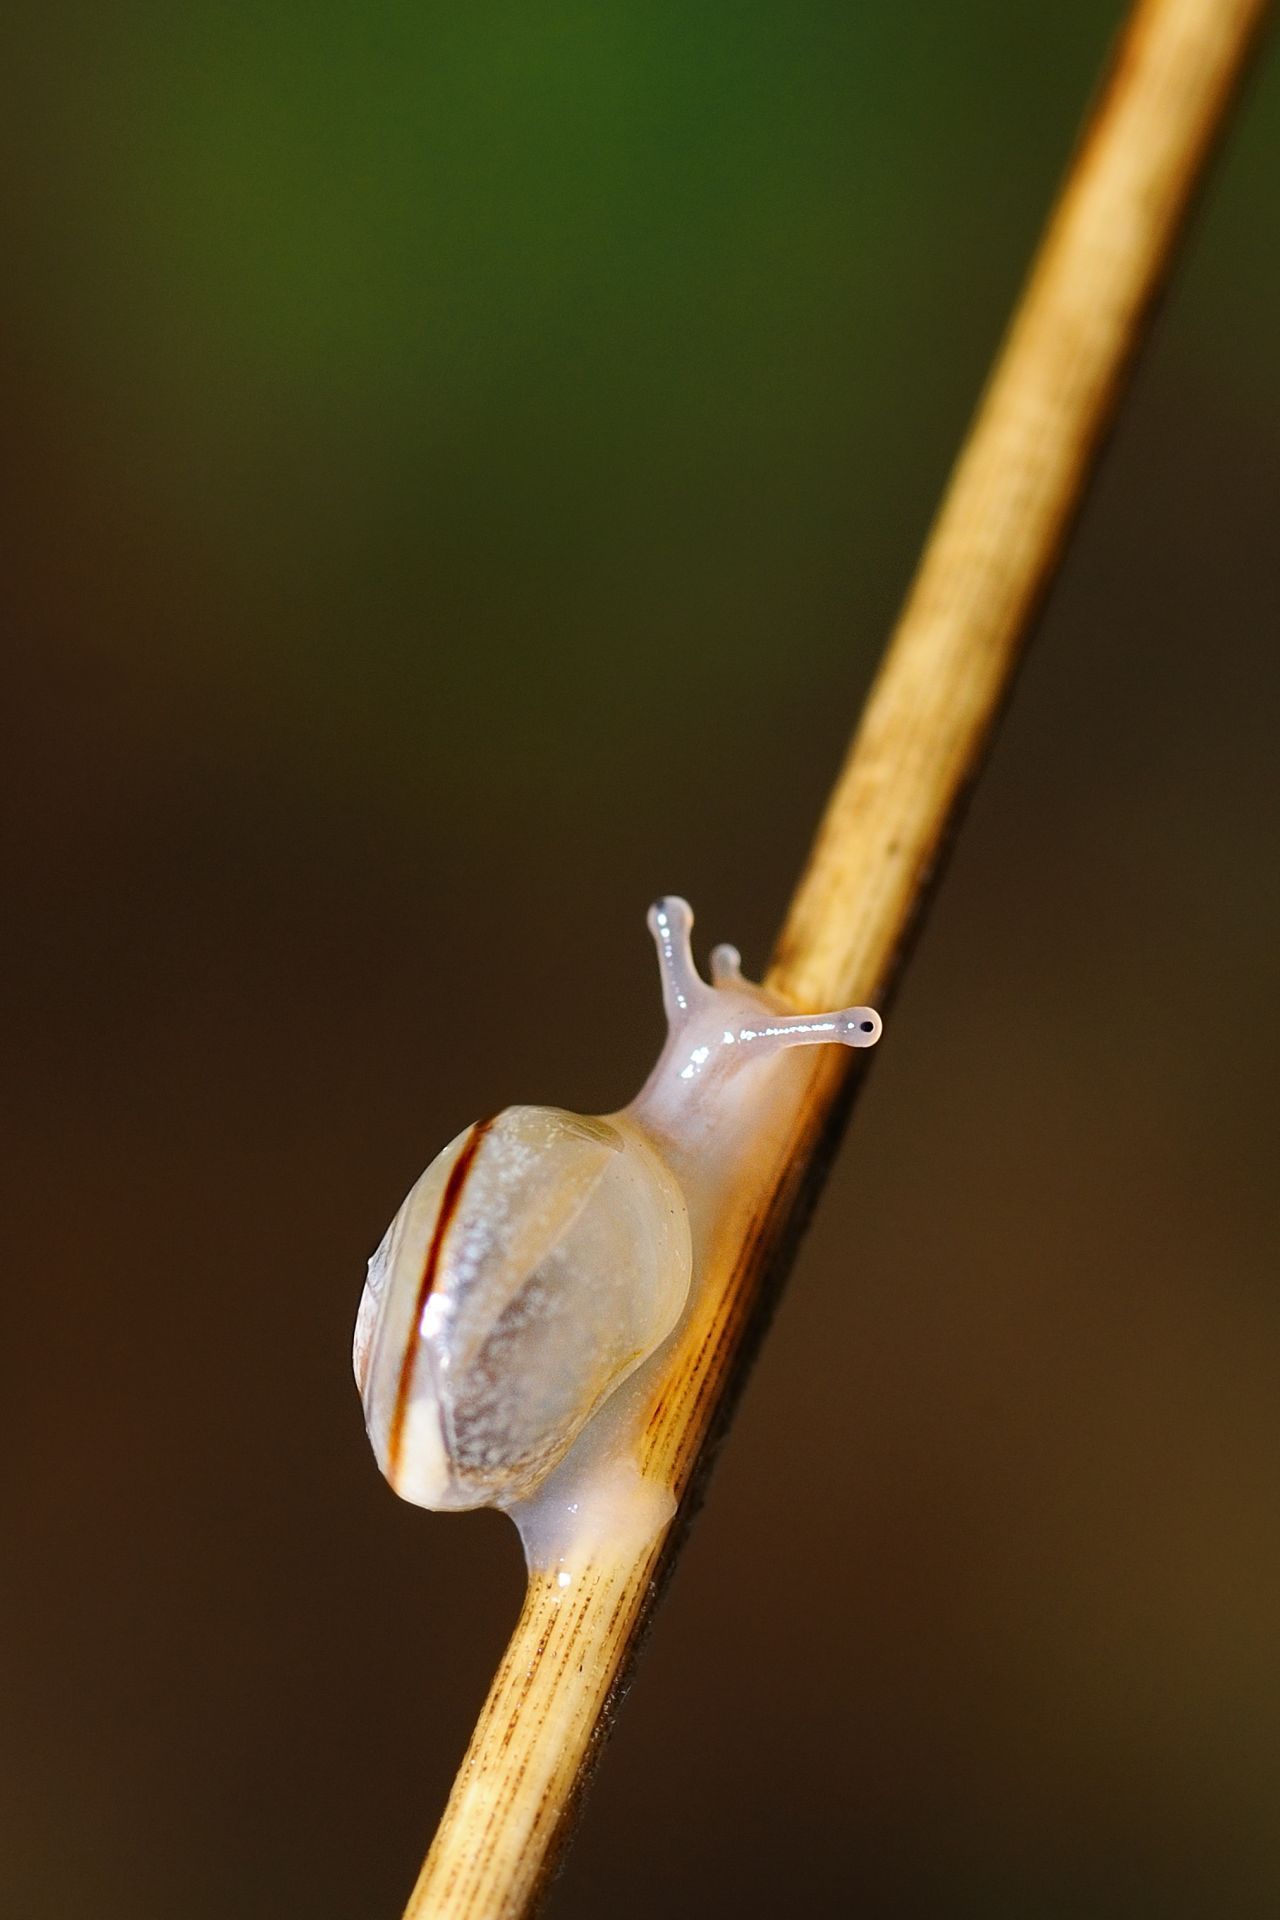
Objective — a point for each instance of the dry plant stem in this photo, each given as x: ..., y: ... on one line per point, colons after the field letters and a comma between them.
x: 990, y: 553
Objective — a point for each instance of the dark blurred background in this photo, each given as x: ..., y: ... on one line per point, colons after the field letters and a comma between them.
x: 462, y: 465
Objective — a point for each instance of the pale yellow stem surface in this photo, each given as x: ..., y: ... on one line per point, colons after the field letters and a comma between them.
x: 989, y: 556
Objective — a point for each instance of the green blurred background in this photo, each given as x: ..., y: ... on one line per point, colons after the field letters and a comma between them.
x: 463, y: 463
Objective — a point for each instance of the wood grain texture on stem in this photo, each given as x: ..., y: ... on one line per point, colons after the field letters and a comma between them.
x: 991, y: 551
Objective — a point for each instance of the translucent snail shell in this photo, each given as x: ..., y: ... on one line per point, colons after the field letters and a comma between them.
x: 534, y: 1264
x: 543, y: 1257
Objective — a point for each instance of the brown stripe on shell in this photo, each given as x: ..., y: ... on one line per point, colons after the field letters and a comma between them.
x: 449, y: 1201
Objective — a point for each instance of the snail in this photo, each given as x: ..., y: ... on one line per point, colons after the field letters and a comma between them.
x: 543, y: 1257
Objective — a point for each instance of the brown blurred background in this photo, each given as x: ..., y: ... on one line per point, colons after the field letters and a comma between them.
x: 463, y: 465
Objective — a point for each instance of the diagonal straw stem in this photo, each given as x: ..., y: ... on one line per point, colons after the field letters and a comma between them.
x: 988, y: 560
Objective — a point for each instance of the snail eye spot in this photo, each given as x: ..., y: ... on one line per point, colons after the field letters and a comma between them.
x: 867, y: 1026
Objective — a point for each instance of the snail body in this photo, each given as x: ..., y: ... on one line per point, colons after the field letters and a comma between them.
x: 543, y: 1259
